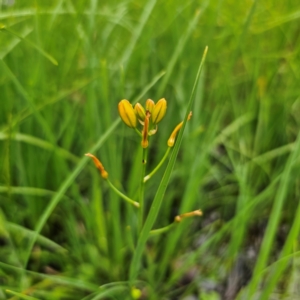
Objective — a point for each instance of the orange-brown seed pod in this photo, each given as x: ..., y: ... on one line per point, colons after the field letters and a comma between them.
x: 98, y: 165
x: 172, y: 138
x: 145, y: 131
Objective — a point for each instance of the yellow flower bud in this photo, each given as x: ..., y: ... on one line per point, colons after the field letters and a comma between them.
x: 98, y: 165
x: 150, y: 105
x: 127, y: 113
x: 172, y: 138
x: 140, y: 111
x: 159, y: 111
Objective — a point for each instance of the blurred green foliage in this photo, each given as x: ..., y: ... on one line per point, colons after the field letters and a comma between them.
x: 65, y: 65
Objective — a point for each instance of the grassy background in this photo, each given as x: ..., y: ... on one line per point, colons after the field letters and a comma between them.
x: 66, y: 64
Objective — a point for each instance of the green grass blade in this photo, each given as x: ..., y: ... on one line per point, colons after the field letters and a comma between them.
x: 136, y: 34
x: 274, y: 153
x: 15, y: 229
x: 75, y: 283
x: 282, y: 264
x: 113, y: 291
x: 227, y: 228
x: 6, y: 50
x: 274, y: 219
x: 277, y: 21
x: 27, y: 97
x: 39, y: 49
x: 25, y: 190
x: 20, y: 295
x: 20, y: 137
x: 61, y: 96
x: 178, y: 50
x: 135, y: 263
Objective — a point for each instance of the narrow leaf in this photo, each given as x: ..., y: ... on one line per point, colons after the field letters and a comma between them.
x: 135, y: 263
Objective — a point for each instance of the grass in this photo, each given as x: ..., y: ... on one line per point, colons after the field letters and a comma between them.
x: 65, y: 65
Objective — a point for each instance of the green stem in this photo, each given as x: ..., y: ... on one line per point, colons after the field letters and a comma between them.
x: 177, y: 220
x: 136, y: 204
x: 163, y: 229
x: 142, y: 188
x: 138, y: 132
x: 146, y: 178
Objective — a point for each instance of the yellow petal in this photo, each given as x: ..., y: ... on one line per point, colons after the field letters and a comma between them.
x: 140, y: 111
x: 159, y: 111
x: 127, y: 113
x: 150, y: 105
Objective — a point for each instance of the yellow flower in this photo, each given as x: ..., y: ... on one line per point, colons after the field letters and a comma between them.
x: 151, y: 113
x: 140, y: 111
x: 150, y: 105
x: 127, y: 113
x: 159, y: 111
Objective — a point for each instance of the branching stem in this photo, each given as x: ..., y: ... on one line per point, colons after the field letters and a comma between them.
x: 136, y: 204
x: 146, y: 178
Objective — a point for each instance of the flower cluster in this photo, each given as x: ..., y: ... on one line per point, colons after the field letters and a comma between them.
x: 148, y: 117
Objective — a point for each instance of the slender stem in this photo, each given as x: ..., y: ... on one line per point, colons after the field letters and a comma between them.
x: 142, y: 188
x: 138, y: 132
x: 177, y: 220
x: 163, y: 229
x: 136, y: 204
x: 146, y: 178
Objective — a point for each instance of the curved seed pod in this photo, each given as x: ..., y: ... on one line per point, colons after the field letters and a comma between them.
x: 145, y: 131
x: 150, y: 105
x: 159, y: 111
x: 98, y: 165
x: 188, y: 215
x: 127, y: 113
x: 172, y: 138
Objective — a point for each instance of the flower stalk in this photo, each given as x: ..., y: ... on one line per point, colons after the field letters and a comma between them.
x: 170, y: 143
x: 146, y: 178
x: 104, y: 175
x: 134, y: 203
x: 177, y: 219
x: 142, y: 188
